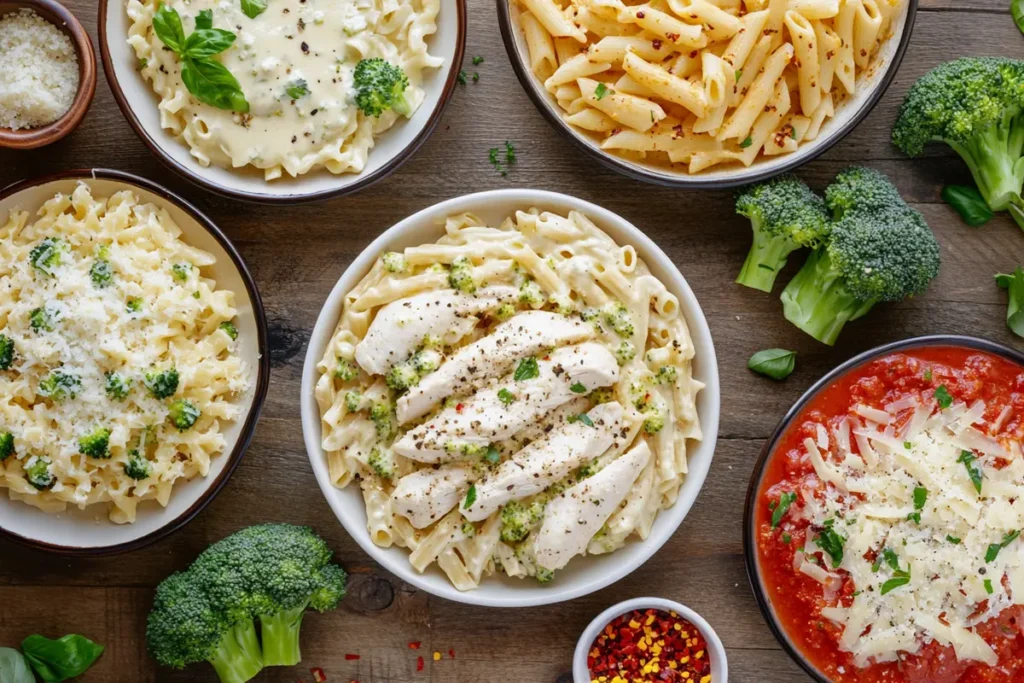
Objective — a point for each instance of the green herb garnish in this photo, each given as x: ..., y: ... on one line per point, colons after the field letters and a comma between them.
x: 527, y: 369
x: 781, y: 506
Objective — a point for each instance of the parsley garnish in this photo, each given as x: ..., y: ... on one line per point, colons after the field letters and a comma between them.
x: 920, y: 497
x: 578, y: 388
x: 993, y: 550
x: 988, y: 586
x: 831, y: 541
x: 527, y: 370
x: 461, y: 78
x: 478, y: 60
x: 298, y: 89
x: 786, y: 538
x: 476, y: 77
x: 600, y: 91
x: 492, y: 455
x: 968, y: 458
x: 506, y: 396
x: 747, y: 143
x: 953, y: 539
x: 780, y: 507
x: 582, y: 417
x: 470, y: 497
x: 739, y: 74
x: 928, y: 375
x: 899, y: 577
x: 943, y: 397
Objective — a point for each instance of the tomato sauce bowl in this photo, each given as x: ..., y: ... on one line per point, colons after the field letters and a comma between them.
x: 803, y: 505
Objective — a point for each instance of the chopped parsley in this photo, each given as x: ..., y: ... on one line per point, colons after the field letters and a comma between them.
x: 470, y: 497
x: 578, y: 388
x: 747, y: 143
x: 739, y: 74
x: 527, y: 369
x: 478, y: 60
x: 582, y: 417
x: 831, y: 541
x: 899, y: 577
x: 953, y: 539
x: 786, y: 538
x: 506, y: 396
x: 600, y: 91
x: 973, y: 471
x: 298, y: 89
x: 492, y: 455
x: 780, y: 507
x: 462, y: 78
x: 928, y: 375
x: 476, y: 77
x: 993, y: 550
x: 988, y: 586
x: 943, y: 397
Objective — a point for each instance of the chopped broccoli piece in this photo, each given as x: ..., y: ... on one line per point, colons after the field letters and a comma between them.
x: 654, y: 422
x: 431, y: 341
x: 183, y: 413
x: 101, y: 272
x: 426, y: 361
x: 976, y: 106
x: 96, y: 444
x: 402, y: 376
x: 39, y: 476
x: 380, y: 86
x: 544, y: 575
x: 161, y: 384
x: 617, y: 317
x: 41, y: 319
x: 6, y: 352
x: 137, y: 467
x: 229, y: 328
x: 133, y: 304
x: 59, y: 385
x: 785, y: 215
x: 625, y: 352
x: 117, y: 385
x: 346, y: 370
x: 602, y: 396
x: 460, y: 277
x: 6, y: 445
x: 666, y: 374
x: 564, y: 305
x: 519, y: 519
x: 380, y: 413
x: 505, y: 311
x: 180, y: 271
x: 469, y: 529
x: 395, y: 262
x: 531, y: 294
x: 382, y: 462
x: 46, y: 256
x: 353, y: 401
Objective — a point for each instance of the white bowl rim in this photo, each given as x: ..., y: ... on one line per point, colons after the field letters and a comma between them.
x: 648, y: 251
x: 580, y: 671
x: 712, y: 180
x: 362, y: 183
x: 248, y: 428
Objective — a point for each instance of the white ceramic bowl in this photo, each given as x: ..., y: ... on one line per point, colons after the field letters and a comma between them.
x: 719, y: 663
x: 89, y: 532
x: 139, y: 104
x: 870, y: 88
x: 583, y: 575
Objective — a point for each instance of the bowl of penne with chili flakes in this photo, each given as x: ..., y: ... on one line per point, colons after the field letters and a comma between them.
x: 705, y: 93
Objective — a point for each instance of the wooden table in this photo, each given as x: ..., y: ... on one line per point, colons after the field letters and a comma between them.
x: 296, y: 255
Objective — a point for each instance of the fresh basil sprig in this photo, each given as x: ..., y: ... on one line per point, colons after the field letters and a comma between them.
x: 969, y: 203
x: 58, y: 660
x: 207, y: 79
x: 254, y: 8
x: 1014, y: 286
x: 774, y: 363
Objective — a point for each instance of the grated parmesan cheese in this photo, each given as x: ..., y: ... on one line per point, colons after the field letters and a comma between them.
x: 39, y: 78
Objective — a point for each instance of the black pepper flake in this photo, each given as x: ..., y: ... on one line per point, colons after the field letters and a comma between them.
x: 294, y: 139
x: 305, y: 47
x: 313, y: 113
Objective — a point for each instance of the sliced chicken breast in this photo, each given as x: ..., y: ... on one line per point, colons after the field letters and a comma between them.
x: 425, y: 496
x: 486, y: 418
x: 575, y: 515
x: 492, y: 356
x: 546, y: 461
x: 400, y: 326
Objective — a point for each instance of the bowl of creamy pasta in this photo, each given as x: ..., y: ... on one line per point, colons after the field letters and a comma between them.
x: 511, y: 398
x: 133, y: 361
x: 283, y: 101
x: 705, y: 93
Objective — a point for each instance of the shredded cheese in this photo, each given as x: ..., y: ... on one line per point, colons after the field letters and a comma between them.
x: 39, y: 78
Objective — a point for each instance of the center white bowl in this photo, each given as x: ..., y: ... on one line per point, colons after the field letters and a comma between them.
x: 584, y: 574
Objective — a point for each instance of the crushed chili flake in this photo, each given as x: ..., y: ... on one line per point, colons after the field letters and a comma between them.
x: 350, y: 657
x: 318, y: 675
x: 419, y: 663
x: 649, y: 646
x: 415, y: 645
x: 451, y: 653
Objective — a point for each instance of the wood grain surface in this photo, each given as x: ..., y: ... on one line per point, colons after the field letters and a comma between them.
x: 297, y: 254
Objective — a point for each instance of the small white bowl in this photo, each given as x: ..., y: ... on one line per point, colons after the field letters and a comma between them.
x: 139, y: 104
x: 719, y: 663
x: 583, y: 575
x: 89, y: 532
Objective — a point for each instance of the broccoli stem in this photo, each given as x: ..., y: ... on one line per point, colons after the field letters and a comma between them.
x: 281, y: 636
x: 238, y: 657
x: 816, y: 299
x: 401, y: 105
x: 994, y: 158
x: 767, y: 256
x: 1017, y: 212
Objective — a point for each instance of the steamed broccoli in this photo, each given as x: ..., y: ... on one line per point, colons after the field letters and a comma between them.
x: 380, y: 86
x: 101, y: 272
x: 96, y: 444
x: 271, y: 573
x: 6, y: 445
x: 785, y: 215
x: 46, y: 256
x: 395, y: 262
x: 460, y: 277
x: 229, y: 329
x: 402, y: 376
x: 519, y: 519
x: 133, y: 304
x: 505, y: 311
x: 59, y: 385
x: 180, y: 271
x: 183, y: 413
x: 617, y: 317
x: 976, y: 106
x: 39, y: 476
x: 41, y: 320
x: 876, y: 252
x: 137, y: 467
x: 346, y: 370
x: 625, y: 352
x: 382, y: 462
x: 381, y: 414
x: 6, y: 352
x: 161, y: 384
x: 117, y: 385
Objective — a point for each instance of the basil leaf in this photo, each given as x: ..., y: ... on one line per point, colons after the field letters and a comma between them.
x: 204, y: 19
x: 895, y: 582
x: 774, y: 363
x: 967, y: 458
x: 785, y: 500
x: 213, y: 84
x: 993, y: 550
x: 206, y: 42
x: 13, y: 668
x: 1017, y: 10
x: 1014, y: 286
x: 167, y: 25
x: 831, y: 541
x: 943, y: 397
x: 59, y: 660
x: 969, y: 203
x: 254, y: 8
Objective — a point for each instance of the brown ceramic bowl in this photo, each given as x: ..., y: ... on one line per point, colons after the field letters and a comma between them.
x: 55, y: 13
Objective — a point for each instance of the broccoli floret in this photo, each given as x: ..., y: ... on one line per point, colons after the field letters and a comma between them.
x: 402, y: 376
x: 137, y: 467
x: 859, y: 188
x: 602, y: 396
x: 59, y: 385
x: 101, y: 272
x: 518, y: 520
x: 426, y: 361
x: 505, y: 311
x: 380, y: 86
x: 431, y: 341
x: 625, y: 352
x: 96, y: 444
x: 6, y: 352
x: 353, y: 401
x: 564, y: 305
x: 785, y: 215
x: 460, y: 277
x: 872, y: 255
x: 346, y: 370
x: 544, y: 575
x: 41, y: 319
x: 161, y: 384
x: 6, y: 445
x: 382, y: 462
x: 117, y: 385
x: 666, y: 374
x: 531, y: 294
x: 394, y: 262
x: 229, y: 329
x: 133, y: 304
x: 976, y: 106
x: 183, y: 413
x: 617, y: 317
x: 39, y: 476
x: 46, y: 256
x: 655, y: 421
x: 180, y: 271
x: 380, y: 413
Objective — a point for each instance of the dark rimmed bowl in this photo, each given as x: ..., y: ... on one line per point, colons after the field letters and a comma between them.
x: 749, y: 527
x: 55, y: 13
x: 139, y: 104
x: 848, y: 116
x: 88, y: 532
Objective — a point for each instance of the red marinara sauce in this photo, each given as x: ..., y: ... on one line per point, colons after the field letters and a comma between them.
x: 968, y: 375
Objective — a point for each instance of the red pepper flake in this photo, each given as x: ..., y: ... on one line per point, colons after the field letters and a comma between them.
x: 419, y: 663
x: 318, y: 675
x: 351, y: 657
x: 451, y: 653
x: 459, y: 407
x: 642, y: 646
x: 415, y: 645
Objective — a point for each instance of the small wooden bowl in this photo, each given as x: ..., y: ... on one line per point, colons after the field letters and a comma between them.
x: 55, y: 13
